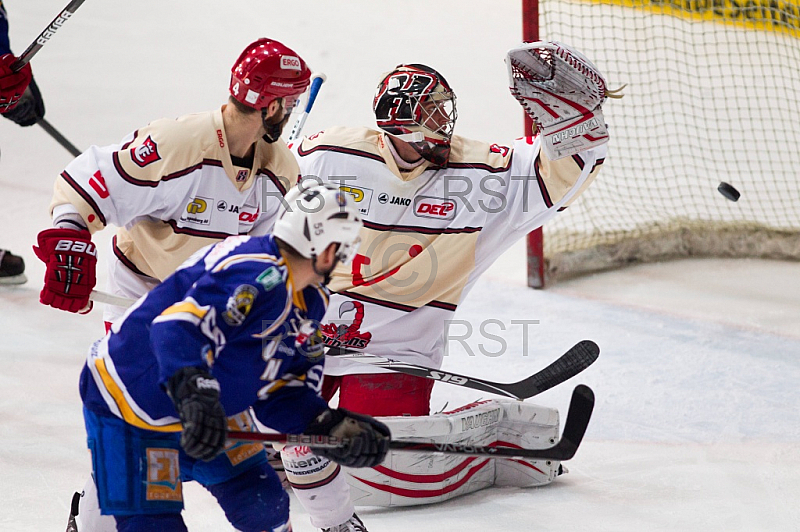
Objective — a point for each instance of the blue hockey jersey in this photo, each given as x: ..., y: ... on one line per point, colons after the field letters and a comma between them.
x: 230, y: 309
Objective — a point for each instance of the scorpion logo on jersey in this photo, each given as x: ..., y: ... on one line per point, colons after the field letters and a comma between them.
x: 239, y: 305
x: 347, y: 335
x: 146, y: 153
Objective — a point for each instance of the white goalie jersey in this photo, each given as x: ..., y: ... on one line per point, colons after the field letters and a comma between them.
x: 429, y: 232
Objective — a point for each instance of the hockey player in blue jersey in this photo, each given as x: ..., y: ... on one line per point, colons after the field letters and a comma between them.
x: 235, y: 327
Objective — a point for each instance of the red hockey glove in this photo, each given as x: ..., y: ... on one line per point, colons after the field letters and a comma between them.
x: 71, y: 261
x: 12, y: 84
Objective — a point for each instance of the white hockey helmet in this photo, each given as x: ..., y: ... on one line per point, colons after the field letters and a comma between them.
x: 317, y: 215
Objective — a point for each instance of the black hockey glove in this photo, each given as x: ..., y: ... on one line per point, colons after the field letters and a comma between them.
x: 196, y: 396
x: 30, y: 107
x: 368, y: 437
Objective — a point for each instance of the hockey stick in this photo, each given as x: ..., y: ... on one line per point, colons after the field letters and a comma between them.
x: 34, y: 47
x: 576, y: 359
x: 316, y: 83
x: 111, y: 299
x: 61, y: 139
x: 48, y: 32
x: 580, y: 412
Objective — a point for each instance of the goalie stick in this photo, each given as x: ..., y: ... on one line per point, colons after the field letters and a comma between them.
x: 580, y: 412
x: 576, y: 359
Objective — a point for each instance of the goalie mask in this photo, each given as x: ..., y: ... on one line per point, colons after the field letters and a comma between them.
x: 415, y: 104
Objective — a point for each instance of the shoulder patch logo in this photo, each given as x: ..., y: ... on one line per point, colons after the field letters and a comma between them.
x: 239, y: 305
x: 146, y: 153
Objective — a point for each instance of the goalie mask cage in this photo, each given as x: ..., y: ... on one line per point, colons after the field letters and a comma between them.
x: 713, y: 94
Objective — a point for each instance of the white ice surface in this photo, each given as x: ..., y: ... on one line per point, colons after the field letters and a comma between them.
x: 696, y: 425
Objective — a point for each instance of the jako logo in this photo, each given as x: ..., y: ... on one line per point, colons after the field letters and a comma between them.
x: 290, y: 62
x: 430, y: 207
x: 146, y: 153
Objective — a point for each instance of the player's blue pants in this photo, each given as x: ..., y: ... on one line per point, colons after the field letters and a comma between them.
x: 139, y: 473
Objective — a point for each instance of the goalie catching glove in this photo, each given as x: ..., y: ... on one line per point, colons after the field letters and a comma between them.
x: 366, y: 439
x: 562, y: 92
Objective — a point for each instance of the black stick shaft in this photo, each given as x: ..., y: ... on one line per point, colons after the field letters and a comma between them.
x: 61, y: 139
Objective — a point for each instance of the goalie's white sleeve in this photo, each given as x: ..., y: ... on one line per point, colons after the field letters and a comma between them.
x: 172, y: 188
x: 429, y: 233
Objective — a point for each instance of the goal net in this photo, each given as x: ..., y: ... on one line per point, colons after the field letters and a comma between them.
x: 713, y: 94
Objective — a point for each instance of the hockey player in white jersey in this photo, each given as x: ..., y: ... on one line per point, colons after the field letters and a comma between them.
x: 176, y: 185
x: 438, y: 209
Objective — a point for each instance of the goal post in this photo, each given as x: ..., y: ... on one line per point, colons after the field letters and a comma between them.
x: 713, y: 95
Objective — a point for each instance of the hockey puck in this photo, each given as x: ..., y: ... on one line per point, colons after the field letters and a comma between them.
x: 728, y: 191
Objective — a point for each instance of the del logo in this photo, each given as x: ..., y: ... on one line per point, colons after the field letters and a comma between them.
x: 198, y: 212
x: 430, y: 207
x: 290, y: 62
x: 248, y: 217
x: 362, y: 196
x: 146, y: 153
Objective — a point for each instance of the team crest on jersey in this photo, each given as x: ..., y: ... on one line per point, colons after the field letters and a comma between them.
x: 146, y: 153
x: 347, y: 335
x: 241, y: 176
x: 239, y: 305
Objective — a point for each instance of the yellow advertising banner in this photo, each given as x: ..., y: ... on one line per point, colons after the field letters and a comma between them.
x: 769, y: 15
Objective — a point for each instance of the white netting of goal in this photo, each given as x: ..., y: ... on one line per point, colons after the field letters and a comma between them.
x: 713, y: 94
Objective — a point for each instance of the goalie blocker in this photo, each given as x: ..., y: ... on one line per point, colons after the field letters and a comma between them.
x: 562, y: 91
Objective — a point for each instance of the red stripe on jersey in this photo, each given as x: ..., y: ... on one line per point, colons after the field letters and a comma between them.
x: 339, y: 149
x: 196, y: 232
x: 143, y: 183
x: 126, y: 261
x: 420, y: 229
x: 397, y: 306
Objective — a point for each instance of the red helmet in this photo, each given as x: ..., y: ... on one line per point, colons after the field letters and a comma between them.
x: 266, y: 70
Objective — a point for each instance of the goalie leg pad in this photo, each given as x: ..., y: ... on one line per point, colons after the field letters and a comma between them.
x: 408, y: 479
x: 527, y: 426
